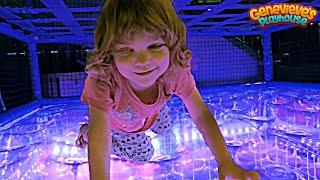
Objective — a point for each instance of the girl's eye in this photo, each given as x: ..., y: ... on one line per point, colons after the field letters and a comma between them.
x: 124, y: 51
x: 155, y: 46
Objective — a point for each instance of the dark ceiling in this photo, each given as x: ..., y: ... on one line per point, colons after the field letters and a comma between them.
x: 73, y: 21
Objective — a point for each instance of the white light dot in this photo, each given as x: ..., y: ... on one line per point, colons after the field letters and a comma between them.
x: 225, y: 132
x: 56, y: 150
x: 178, y: 138
x: 194, y: 135
x: 65, y: 150
x: 186, y: 137
x: 73, y: 150
x: 232, y: 132
x: 254, y: 145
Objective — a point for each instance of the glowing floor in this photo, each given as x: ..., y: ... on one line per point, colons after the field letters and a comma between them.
x: 273, y: 128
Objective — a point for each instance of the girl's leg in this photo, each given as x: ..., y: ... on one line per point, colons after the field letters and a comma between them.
x: 82, y: 139
x: 132, y: 146
x: 164, y: 123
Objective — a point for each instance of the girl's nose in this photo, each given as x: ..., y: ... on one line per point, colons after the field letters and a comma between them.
x: 143, y: 57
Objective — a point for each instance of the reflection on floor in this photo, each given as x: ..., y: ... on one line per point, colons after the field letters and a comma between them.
x: 272, y: 128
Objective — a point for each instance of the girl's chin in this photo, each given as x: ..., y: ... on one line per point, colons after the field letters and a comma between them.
x: 143, y: 84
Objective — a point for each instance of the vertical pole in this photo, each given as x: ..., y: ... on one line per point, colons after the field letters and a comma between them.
x: 267, y: 56
x: 2, y: 106
x: 319, y: 34
x: 34, y: 69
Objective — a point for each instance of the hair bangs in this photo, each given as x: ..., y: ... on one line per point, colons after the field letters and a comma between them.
x: 134, y: 17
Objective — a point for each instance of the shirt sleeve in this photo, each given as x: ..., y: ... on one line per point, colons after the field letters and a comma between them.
x: 97, y: 93
x: 186, y: 83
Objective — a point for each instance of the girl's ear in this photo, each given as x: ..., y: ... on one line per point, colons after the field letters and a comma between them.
x: 186, y: 55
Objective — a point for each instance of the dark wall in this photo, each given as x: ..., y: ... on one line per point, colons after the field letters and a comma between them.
x: 296, y: 54
x: 15, y: 82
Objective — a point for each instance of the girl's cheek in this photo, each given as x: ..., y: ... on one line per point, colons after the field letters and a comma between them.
x: 159, y: 55
x: 126, y: 59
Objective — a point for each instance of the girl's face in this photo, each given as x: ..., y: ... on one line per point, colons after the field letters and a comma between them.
x: 142, y: 59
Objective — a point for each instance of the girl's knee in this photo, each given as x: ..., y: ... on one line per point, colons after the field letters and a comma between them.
x: 143, y: 156
x: 139, y: 149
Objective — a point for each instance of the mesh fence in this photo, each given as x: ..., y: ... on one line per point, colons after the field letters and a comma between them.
x: 217, y: 60
x: 62, y: 69
x: 226, y: 60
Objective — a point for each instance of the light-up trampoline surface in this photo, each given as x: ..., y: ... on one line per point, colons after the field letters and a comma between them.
x: 273, y: 128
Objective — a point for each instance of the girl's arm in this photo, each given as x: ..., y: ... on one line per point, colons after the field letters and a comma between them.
x: 99, y: 144
x: 208, y: 126
x: 210, y: 131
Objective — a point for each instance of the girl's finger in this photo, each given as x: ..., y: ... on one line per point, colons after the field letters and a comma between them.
x: 222, y: 176
x: 252, y: 175
x: 82, y: 140
x: 77, y: 142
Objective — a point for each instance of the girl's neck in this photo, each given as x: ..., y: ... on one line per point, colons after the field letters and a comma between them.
x: 146, y: 95
x: 136, y: 88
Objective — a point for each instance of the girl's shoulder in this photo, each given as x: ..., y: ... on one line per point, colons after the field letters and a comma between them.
x: 178, y: 80
x: 107, y: 76
x: 176, y: 71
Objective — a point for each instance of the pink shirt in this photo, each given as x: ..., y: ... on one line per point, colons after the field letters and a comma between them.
x: 128, y: 112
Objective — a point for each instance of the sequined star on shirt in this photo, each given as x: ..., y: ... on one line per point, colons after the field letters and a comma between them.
x: 127, y: 115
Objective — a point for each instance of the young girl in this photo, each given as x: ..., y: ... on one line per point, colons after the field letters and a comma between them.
x: 140, y: 61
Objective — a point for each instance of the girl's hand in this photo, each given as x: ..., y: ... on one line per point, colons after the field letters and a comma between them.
x: 233, y: 171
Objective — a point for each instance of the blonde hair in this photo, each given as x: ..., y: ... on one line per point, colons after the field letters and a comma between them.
x: 121, y: 18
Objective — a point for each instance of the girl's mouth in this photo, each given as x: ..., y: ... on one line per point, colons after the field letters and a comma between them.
x: 145, y: 73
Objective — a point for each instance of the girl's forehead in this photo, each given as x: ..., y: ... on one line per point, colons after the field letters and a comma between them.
x: 135, y: 35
